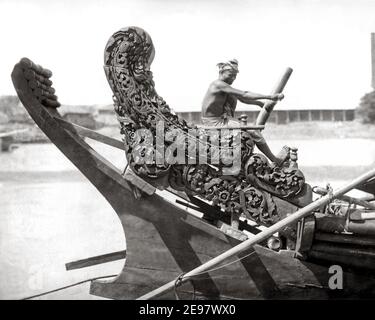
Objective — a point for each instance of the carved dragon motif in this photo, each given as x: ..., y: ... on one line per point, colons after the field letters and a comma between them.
x: 249, y: 191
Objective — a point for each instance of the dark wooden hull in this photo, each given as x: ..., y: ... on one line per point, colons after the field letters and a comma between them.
x: 163, y: 241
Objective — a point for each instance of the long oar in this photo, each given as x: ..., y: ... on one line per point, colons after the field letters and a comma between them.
x: 269, y: 105
x: 262, y: 235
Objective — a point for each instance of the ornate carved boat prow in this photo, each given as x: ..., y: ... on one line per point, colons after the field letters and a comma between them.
x: 165, y: 240
x: 206, y: 166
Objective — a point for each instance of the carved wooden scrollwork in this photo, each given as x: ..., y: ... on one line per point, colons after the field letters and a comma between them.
x: 248, y: 191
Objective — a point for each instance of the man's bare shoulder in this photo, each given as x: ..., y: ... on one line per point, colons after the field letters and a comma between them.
x: 218, y: 85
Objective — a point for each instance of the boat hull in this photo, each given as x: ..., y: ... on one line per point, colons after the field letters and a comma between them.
x: 164, y: 241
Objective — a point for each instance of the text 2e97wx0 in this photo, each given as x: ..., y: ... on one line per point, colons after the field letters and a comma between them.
x: 214, y: 309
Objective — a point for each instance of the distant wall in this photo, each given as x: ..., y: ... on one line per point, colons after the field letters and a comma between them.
x: 11, y: 110
x: 286, y: 116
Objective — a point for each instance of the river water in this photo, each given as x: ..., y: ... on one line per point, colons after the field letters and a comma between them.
x: 50, y: 215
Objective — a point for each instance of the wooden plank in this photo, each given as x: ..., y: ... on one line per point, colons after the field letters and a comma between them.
x: 343, y: 260
x: 362, y: 215
x: 345, y: 239
x: 92, y: 261
x: 91, y: 134
x: 138, y: 182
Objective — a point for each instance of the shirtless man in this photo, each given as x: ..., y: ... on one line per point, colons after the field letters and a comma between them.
x: 220, y: 102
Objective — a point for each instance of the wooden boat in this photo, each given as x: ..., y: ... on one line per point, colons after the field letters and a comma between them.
x: 164, y: 241
x: 7, y: 140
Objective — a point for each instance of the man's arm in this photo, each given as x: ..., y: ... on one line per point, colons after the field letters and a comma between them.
x: 232, y: 101
x: 246, y: 96
x: 255, y: 102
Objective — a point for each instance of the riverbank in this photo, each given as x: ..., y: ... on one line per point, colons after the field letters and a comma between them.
x: 321, y: 160
x: 298, y: 130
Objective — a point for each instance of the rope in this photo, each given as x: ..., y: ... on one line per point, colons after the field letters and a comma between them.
x: 221, y: 296
x: 69, y: 286
x: 224, y: 265
x: 347, y: 215
x: 180, y: 278
x: 178, y: 283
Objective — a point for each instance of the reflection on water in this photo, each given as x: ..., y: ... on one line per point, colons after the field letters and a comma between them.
x: 51, y: 215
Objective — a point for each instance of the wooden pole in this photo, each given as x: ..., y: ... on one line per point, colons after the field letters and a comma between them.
x: 84, y: 132
x: 10, y: 133
x: 373, y: 60
x: 344, y: 239
x: 301, y: 213
x: 349, y: 199
x: 92, y: 261
x: 269, y: 105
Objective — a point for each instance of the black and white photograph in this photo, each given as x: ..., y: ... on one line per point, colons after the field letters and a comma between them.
x: 187, y: 150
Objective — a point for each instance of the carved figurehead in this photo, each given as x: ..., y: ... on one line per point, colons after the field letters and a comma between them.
x: 145, y: 117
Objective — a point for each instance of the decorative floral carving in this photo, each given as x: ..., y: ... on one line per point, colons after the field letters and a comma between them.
x: 128, y: 56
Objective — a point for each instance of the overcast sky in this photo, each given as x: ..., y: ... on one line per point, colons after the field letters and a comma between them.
x: 326, y: 42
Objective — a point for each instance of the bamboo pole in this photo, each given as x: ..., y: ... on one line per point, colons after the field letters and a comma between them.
x: 301, y: 213
x: 269, y: 105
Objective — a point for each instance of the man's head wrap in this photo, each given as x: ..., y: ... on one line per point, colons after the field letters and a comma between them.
x: 230, y: 65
